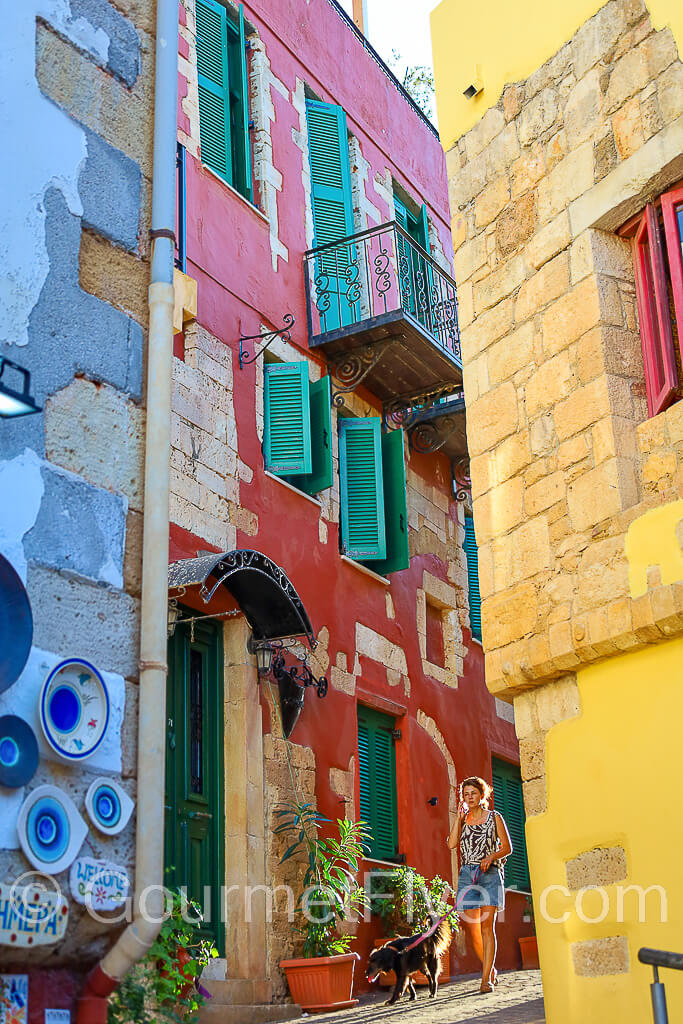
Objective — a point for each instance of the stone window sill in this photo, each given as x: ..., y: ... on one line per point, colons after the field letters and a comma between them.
x: 368, y: 572
x: 292, y: 488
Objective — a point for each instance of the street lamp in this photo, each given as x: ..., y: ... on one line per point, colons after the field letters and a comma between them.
x: 16, y: 403
x: 264, y: 654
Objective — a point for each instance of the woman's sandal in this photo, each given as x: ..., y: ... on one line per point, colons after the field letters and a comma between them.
x: 485, y: 989
x: 494, y: 979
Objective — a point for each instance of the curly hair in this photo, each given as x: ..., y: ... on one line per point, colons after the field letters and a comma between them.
x: 481, y: 785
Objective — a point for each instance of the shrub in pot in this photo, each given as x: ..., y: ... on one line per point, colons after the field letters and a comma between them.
x: 164, y: 988
x: 322, y: 978
x: 404, y: 900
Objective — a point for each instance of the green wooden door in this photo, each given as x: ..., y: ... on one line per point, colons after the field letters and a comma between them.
x: 509, y: 801
x: 194, y: 770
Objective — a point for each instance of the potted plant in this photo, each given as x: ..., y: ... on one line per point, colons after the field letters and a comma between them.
x: 404, y: 900
x: 528, y: 944
x: 164, y: 987
x: 322, y: 978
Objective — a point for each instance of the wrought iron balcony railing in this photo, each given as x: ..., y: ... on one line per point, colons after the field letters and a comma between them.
x: 378, y: 276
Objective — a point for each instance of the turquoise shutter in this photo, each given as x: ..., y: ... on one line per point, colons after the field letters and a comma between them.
x: 473, y: 577
x: 362, y: 490
x: 377, y: 779
x: 423, y: 228
x: 286, y: 418
x: 395, y: 504
x: 322, y: 470
x: 214, y: 89
x: 509, y: 801
x: 330, y: 172
x: 245, y: 141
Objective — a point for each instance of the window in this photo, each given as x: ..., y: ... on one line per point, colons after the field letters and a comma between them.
x: 434, y: 639
x: 473, y: 577
x: 377, y: 776
x: 223, y: 95
x: 374, y: 512
x: 656, y: 241
x: 508, y: 800
x: 297, y: 426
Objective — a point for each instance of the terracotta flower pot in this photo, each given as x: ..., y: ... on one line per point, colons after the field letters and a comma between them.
x: 183, y: 958
x: 323, y: 982
x: 387, y: 979
x: 529, y: 949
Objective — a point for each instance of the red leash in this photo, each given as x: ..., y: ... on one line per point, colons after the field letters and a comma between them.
x: 430, y: 931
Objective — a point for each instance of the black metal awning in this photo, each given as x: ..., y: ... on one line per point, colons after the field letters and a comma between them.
x: 261, y: 588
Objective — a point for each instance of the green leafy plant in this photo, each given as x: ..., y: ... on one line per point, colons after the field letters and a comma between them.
x: 405, y: 899
x: 418, y: 82
x: 330, y: 891
x: 162, y: 987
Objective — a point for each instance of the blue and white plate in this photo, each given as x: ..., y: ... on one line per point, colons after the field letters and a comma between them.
x: 16, y: 625
x: 18, y: 752
x: 109, y: 807
x: 50, y: 829
x: 74, y: 709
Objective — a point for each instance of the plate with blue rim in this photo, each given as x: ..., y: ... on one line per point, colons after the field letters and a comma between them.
x: 18, y: 752
x: 74, y: 709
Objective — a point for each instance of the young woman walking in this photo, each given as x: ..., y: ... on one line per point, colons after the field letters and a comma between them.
x: 483, y: 843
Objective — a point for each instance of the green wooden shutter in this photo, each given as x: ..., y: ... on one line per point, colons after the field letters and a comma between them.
x: 214, y: 89
x: 473, y: 577
x: 286, y: 418
x: 395, y: 504
x: 509, y: 801
x: 244, y: 155
x: 377, y: 777
x: 362, y: 489
x: 330, y: 172
x: 423, y: 228
x: 321, y: 475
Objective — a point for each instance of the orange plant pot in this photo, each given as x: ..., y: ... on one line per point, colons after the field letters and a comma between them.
x: 529, y: 949
x: 183, y: 958
x: 321, y: 983
x: 387, y: 979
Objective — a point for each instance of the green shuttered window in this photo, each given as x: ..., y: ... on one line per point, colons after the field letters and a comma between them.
x: 508, y: 800
x: 223, y: 95
x: 377, y: 775
x: 473, y: 577
x: 330, y: 172
x: 374, y: 514
x: 297, y: 426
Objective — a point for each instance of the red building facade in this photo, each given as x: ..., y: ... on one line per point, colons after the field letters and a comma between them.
x: 294, y: 137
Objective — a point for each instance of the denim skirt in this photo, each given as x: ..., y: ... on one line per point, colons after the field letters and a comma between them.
x: 487, y: 891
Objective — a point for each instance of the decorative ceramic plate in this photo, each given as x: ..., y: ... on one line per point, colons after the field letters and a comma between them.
x: 50, y: 829
x: 16, y: 625
x: 109, y: 807
x: 74, y: 709
x: 18, y: 752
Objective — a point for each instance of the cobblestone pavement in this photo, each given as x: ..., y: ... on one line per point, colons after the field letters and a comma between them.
x: 518, y: 999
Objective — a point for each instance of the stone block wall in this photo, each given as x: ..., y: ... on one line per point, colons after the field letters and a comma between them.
x: 564, y: 459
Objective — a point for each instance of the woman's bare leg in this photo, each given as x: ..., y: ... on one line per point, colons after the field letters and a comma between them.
x: 488, y: 934
x: 471, y: 920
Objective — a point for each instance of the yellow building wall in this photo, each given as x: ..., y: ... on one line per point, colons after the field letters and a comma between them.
x: 614, y: 779
x: 505, y: 42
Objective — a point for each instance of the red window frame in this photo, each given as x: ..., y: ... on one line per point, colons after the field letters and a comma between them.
x: 674, y: 243
x: 661, y: 374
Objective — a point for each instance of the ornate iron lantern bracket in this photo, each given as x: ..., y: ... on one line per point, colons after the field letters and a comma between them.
x: 350, y: 368
x: 292, y: 683
x: 284, y: 332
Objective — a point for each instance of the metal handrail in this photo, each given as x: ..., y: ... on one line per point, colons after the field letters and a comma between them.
x: 374, y: 273
x: 657, y: 958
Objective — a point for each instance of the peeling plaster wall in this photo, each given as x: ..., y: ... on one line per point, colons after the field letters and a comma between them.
x: 75, y: 98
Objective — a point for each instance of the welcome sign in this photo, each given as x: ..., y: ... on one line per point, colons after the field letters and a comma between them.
x: 98, y: 883
x: 31, y: 916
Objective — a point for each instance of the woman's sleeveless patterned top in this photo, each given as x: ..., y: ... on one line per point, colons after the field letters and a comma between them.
x: 479, y: 841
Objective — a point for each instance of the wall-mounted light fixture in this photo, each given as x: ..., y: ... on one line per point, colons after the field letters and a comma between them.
x: 283, y: 332
x: 16, y: 403
x: 264, y: 655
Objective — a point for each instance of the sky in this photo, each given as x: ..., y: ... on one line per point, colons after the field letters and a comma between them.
x: 401, y: 25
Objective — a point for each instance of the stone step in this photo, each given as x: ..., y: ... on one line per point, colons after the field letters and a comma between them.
x: 222, y: 1013
x: 238, y: 991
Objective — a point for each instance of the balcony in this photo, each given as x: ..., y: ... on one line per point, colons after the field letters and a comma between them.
x: 385, y: 314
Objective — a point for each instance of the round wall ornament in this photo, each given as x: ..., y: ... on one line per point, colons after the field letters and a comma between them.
x: 74, y: 709
x: 18, y: 752
x: 109, y: 807
x: 50, y: 829
x: 16, y: 625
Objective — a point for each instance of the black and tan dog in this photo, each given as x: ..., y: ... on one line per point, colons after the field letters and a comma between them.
x: 406, y: 956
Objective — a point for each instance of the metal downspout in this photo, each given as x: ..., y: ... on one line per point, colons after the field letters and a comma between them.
x: 137, y: 938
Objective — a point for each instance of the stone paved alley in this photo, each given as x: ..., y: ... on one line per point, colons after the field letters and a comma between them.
x: 517, y: 1000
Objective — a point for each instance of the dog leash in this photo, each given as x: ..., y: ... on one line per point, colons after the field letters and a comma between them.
x: 428, y: 934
